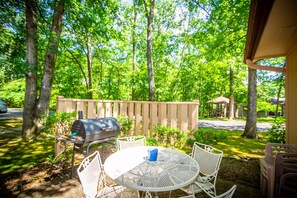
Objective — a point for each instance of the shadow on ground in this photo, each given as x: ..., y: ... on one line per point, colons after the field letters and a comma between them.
x: 42, y: 180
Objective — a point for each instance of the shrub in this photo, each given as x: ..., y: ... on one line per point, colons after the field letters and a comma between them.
x: 166, y: 136
x: 13, y: 93
x: 59, y: 123
x: 277, y: 133
x: 206, y: 137
x: 126, y: 125
x: 151, y: 142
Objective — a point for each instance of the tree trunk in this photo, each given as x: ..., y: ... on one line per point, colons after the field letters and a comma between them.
x: 89, y: 58
x: 231, y: 97
x: 250, y: 130
x: 49, y: 67
x: 278, y: 95
x: 151, y: 80
x: 134, y: 49
x: 29, y: 129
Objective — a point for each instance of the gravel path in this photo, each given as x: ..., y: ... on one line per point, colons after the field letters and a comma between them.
x: 231, y: 125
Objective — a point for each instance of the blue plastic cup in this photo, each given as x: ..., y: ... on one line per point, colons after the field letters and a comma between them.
x: 152, y: 154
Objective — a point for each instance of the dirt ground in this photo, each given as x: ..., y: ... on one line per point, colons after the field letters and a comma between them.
x: 43, y: 181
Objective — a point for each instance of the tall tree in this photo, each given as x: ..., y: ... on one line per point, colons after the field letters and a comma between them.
x: 42, y: 107
x: 29, y: 128
x: 250, y: 130
x: 135, y: 12
x: 281, y: 85
x: 149, y: 11
x: 231, y: 96
x: 42, y: 104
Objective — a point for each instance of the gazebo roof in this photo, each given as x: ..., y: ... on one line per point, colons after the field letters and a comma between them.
x: 220, y: 99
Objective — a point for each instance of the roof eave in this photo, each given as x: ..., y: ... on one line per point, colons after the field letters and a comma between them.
x: 259, y: 13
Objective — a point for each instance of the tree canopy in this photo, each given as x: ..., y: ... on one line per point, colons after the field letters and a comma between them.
x: 195, y: 46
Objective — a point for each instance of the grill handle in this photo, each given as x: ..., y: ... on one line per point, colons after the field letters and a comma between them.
x: 104, y: 128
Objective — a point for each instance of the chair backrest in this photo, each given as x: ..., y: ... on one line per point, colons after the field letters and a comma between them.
x: 89, y: 172
x: 131, y: 141
x: 288, y: 185
x: 271, y: 149
x: 284, y: 163
x: 208, y: 157
x: 227, y: 194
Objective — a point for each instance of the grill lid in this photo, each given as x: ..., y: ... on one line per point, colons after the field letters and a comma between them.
x: 95, y: 129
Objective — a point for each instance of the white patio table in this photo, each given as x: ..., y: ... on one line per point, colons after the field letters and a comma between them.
x: 172, y: 170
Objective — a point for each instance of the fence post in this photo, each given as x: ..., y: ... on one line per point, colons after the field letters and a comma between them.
x: 59, y: 105
x: 58, y: 147
x: 194, y: 117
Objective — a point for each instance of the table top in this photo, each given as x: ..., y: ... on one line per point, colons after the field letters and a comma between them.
x: 172, y: 170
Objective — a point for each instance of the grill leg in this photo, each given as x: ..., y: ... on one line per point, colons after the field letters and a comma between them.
x: 72, y: 163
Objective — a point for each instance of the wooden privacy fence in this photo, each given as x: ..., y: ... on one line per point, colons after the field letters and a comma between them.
x: 182, y: 115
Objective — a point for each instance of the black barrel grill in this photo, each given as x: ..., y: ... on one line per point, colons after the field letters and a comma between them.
x: 92, y: 131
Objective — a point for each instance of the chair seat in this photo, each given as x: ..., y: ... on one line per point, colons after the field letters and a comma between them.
x: 198, y: 188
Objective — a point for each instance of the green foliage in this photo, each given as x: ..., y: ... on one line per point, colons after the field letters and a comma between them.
x: 60, y: 123
x: 126, y: 125
x: 193, y: 50
x: 151, y: 142
x: 13, y: 93
x: 62, y: 160
x: 277, y: 133
x: 168, y: 137
x: 265, y: 106
x: 206, y: 137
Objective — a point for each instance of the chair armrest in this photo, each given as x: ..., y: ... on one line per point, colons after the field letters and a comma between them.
x: 207, y: 178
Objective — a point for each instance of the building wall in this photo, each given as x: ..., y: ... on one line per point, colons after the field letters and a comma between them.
x: 291, y: 97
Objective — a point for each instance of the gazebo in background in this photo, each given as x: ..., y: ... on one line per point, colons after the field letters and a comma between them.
x: 219, y: 107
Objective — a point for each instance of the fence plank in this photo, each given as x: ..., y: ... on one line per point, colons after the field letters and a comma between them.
x: 154, y: 114
x: 183, y: 117
x: 59, y: 103
x: 193, y: 119
x: 108, y: 109
x: 123, y: 108
x: 131, y: 111
x: 81, y: 106
x: 145, y: 118
x: 137, y: 118
x: 100, y: 110
x: 163, y: 114
x: 91, y: 109
x: 115, y: 109
x: 67, y: 106
x: 172, y: 115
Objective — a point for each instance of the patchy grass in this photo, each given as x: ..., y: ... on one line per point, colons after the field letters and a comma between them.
x: 17, y: 154
x: 236, y: 146
x: 239, y: 147
x: 25, y: 166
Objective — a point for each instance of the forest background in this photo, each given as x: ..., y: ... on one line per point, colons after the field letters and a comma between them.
x: 197, y: 52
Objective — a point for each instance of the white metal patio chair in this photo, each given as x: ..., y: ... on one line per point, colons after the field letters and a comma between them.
x: 209, y: 160
x: 130, y: 141
x: 228, y: 194
x: 92, y: 177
